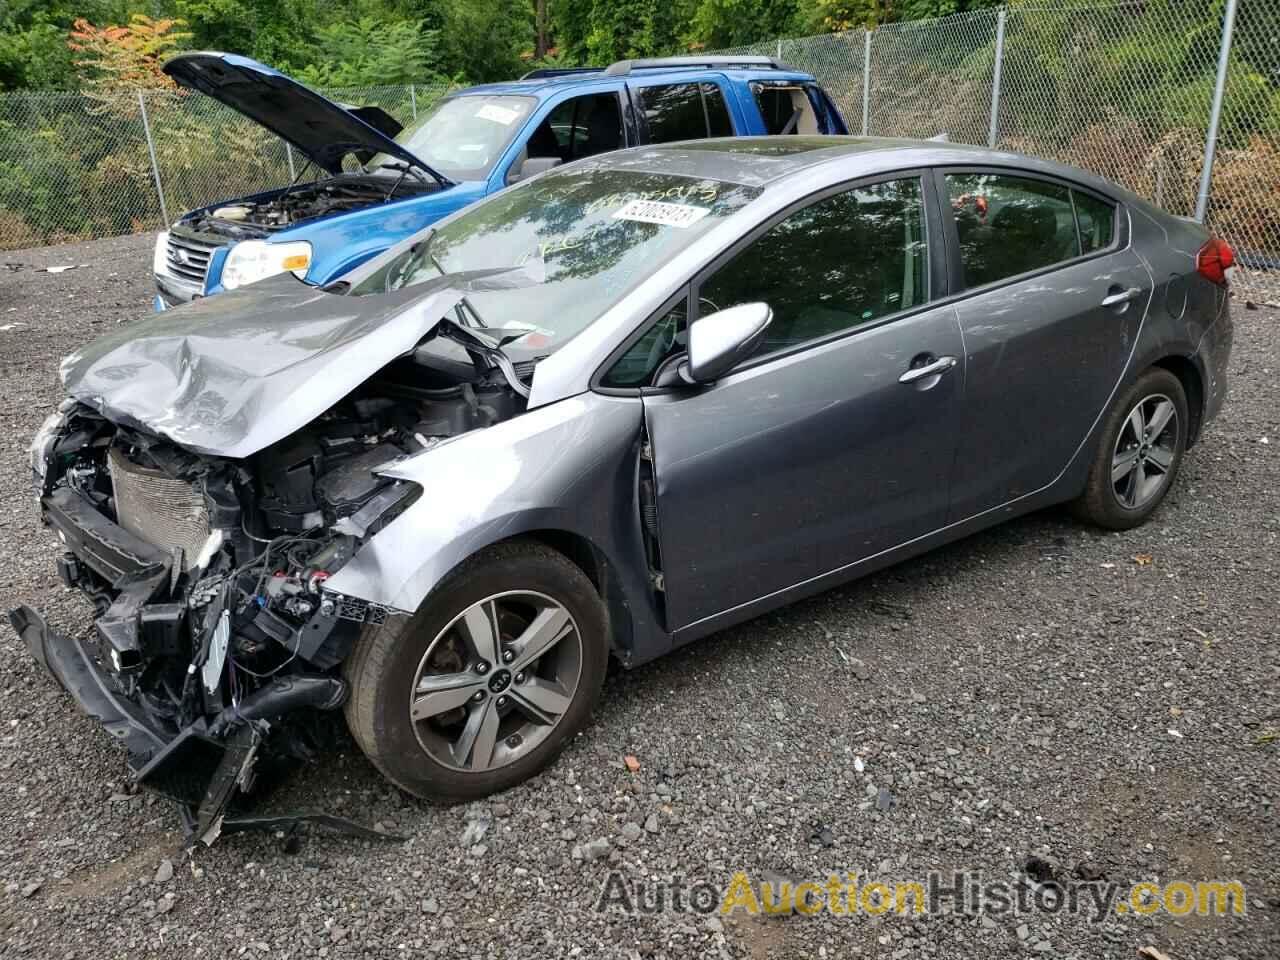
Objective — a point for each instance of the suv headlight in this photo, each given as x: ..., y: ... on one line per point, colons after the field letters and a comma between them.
x: 252, y: 260
x: 160, y: 259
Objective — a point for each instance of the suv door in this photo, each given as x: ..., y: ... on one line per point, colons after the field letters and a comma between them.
x: 576, y: 127
x: 829, y: 445
x: 1056, y: 298
x: 687, y: 110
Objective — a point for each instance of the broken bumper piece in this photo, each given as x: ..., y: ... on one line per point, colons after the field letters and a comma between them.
x: 71, y: 665
x: 202, y: 766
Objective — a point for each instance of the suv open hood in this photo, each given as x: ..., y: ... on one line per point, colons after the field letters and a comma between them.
x: 322, y: 130
x: 230, y: 375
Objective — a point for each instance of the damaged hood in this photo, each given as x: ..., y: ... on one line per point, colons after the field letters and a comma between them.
x: 324, y: 131
x: 232, y: 374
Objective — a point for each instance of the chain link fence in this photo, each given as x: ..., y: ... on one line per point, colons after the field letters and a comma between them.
x: 79, y: 166
x: 1124, y: 89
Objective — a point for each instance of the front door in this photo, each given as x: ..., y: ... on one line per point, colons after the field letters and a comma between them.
x: 834, y: 442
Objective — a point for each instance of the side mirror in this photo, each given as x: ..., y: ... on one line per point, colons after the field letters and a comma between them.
x: 531, y: 167
x: 720, y: 341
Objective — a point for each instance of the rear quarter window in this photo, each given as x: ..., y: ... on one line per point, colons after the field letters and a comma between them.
x: 1097, y: 220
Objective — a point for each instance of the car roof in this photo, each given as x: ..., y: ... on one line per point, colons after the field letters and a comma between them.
x: 761, y: 161
x: 547, y: 85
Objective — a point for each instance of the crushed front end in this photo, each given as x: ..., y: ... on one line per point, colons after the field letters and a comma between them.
x: 215, y: 642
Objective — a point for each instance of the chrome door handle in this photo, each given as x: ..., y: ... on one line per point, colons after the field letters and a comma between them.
x: 1124, y: 296
x: 941, y: 365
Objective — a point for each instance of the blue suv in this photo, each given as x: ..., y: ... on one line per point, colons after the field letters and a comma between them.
x: 382, y: 183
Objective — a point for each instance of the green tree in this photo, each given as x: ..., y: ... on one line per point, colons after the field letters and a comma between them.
x: 483, y: 41
x: 734, y: 23
x: 371, y: 52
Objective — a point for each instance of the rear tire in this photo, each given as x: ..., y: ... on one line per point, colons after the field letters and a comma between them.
x: 1139, y: 453
x: 426, y: 688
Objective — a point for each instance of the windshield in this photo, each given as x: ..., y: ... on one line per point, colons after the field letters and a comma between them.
x: 586, y: 236
x: 462, y: 137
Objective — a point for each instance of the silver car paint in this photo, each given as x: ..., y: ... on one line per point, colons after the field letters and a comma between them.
x: 230, y: 375
x: 722, y: 454
x: 567, y: 468
x: 571, y: 465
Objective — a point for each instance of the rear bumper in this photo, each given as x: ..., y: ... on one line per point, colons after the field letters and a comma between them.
x: 94, y: 692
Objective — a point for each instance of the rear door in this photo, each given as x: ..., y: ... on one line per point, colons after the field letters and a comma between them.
x: 834, y: 442
x: 684, y: 110
x: 1054, y: 297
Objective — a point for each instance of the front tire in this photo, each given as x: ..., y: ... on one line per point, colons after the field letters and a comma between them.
x: 1141, y: 448
x: 486, y: 683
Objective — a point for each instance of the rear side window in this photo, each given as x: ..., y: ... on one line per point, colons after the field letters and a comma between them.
x: 1010, y: 225
x: 684, y: 111
x: 787, y: 108
x: 1097, y: 220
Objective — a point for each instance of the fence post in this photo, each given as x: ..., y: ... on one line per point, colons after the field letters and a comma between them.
x: 288, y: 152
x: 994, y: 133
x: 1215, y: 115
x: 866, y: 83
x: 151, y: 149
x: 413, y: 102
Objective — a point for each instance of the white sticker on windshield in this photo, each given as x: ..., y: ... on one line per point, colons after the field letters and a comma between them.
x: 502, y: 115
x: 658, y: 211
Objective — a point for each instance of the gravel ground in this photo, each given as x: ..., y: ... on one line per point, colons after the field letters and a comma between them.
x: 1031, y: 690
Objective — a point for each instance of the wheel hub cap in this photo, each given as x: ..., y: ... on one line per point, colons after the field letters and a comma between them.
x: 1144, y: 452
x: 468, y: 711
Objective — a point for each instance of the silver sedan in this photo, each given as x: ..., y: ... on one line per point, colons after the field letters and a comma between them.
x: 604, y: 413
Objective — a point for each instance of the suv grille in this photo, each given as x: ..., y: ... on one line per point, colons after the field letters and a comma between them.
x: 188, y: 258
x: 168, y: 513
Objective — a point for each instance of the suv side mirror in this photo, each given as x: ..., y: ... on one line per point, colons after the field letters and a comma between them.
x: 720, y: 341
x: 531, y: 167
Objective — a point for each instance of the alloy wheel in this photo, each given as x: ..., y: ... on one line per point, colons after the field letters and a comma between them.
x: 1145, y: 451
x: 496, y: 681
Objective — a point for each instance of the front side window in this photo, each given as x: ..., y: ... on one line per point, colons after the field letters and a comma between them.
x: 684, y: 111
x: 1010, y: 225
x: 582, y: 239
x: 579, y: 127
x: 836, y: 265
x: 464, y: 136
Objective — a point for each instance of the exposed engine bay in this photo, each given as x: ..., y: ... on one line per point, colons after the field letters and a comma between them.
x: 216, y: 641
x: 308, y: 201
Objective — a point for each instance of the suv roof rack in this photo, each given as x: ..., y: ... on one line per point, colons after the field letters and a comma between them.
x: 624, y: 67
x: 543, y: 72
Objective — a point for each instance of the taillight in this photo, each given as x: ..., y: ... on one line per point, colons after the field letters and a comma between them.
x: 1215, y: 259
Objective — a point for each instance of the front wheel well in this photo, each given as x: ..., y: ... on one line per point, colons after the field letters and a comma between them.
x: 1193, y: 385
x: 591, y: 561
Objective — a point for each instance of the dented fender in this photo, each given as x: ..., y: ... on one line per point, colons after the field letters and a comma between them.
x: 569, y: 467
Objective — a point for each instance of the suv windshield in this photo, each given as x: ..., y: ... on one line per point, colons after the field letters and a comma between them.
x: 589, y: 235
x: 462, y: 137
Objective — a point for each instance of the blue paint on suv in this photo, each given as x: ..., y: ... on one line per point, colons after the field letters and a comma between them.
x: 381, y: 183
